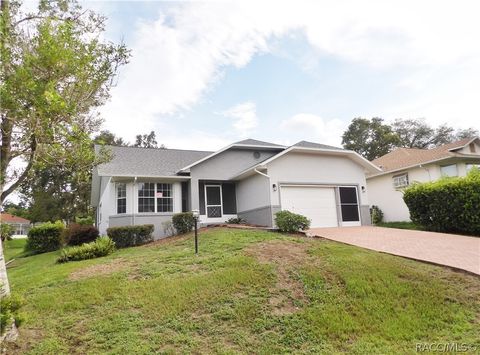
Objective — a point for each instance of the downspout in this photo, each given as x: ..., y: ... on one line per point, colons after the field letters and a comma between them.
x: 133, y: 200
x: 427, y: 170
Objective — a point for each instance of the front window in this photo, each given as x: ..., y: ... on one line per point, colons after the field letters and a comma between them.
x: 400, y: 181
x: 164, y: 198
x: 146, y: 197
x: 121, y: 198
x: 154, y: 197
x: 449, y: 170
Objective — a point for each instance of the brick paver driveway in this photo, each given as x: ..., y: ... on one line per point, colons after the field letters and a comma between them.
x: 445, y: 249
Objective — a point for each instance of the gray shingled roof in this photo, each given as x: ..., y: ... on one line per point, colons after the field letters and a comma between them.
x: 132, y: 161
x: 305, y: 144
x: 250, y: 141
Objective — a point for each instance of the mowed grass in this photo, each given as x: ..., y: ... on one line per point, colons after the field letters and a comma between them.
x: 14, y: 249
x: 238, y: 296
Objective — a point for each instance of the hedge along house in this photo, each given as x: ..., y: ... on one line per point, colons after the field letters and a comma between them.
x: 404, y: 166
x: 249, y: 179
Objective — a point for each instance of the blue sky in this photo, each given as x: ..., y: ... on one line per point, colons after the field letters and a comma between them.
x: 205, y: 74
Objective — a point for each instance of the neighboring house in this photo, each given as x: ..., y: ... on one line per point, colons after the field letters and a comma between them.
x: 404, y: 166
x: 248, y: 179
x: 20, y: 225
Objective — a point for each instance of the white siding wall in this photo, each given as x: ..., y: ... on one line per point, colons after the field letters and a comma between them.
x: 253, y: 192
x: 310, y: 168
x: 108, y: 202
x: 390, y: 200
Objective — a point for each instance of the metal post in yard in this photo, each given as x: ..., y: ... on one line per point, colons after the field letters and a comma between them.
x: 196, y: 214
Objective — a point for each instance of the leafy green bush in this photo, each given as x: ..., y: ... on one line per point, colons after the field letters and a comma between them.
x: 9, y: 307
x: 235, y: 220
x: 45, y: 237
x: 183, y: 222
x: 84, y: 221
x: 376, y: 214
x: 129, y: 236
x: 6, y: 231
x: 448, y: 205
x: 289, y: 222
x: 78, y: 234
x: 101, y: 247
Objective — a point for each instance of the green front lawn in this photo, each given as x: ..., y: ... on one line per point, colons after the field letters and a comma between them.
x: 14, y: 248
x: 247, y: 292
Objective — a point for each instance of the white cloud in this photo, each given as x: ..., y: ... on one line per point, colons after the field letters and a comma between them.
x: 306, y: 126
x: 245, y: 115
x: 180, y: 56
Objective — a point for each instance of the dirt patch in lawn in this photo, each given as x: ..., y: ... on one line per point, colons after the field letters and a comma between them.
x: 288, y: 294
x: 100, y: 269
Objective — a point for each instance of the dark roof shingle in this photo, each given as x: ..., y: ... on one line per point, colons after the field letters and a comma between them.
x: 133, y: 161
x: 305, y: 144
x: 255, y: 142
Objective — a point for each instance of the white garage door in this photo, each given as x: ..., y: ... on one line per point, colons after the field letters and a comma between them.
x: 316, y: 203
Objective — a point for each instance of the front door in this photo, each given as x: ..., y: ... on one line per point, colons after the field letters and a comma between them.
x: 213, y: 201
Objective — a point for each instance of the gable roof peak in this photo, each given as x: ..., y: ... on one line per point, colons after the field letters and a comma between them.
x: 255, y: 142
x: 307, y: 144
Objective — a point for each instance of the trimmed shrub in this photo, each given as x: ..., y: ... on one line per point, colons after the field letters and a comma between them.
x: 101, y: 247
x: 45, y: 237
x: 289, y: 222
x: 129, y: 236
x: 6, y: 231
x: 235, y: 220
x: 183, y: 222
x: 376, y: 214
x: 448, y: 205
x: 78, y: 234
x: 9, y: 306
x: 84, y: 221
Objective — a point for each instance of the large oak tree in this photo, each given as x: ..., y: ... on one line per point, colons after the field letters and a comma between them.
x: 56, y: 70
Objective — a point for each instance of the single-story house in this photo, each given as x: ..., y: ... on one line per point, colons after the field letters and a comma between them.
x: 20, y: 225
x: 403, y: 166
x: 249, y: 179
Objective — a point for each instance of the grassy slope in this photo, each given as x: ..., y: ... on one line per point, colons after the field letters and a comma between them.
x: 164, y: 299
x: 14, y: 248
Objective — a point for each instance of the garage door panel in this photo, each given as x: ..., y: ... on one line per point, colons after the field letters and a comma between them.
x: 316, y: 203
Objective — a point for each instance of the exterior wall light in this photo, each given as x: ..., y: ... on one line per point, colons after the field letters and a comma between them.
x: 364, y: 189
x: 274, y: 186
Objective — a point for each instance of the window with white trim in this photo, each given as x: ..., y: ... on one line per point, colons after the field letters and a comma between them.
x: 121, y: 198
x: 154, y: 197
x: 146, y: 197
x: 164, y: 198
x: 449, y: 170
x: 400, y: 181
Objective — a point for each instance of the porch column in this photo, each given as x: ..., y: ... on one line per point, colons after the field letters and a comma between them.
x: 194, y: 203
